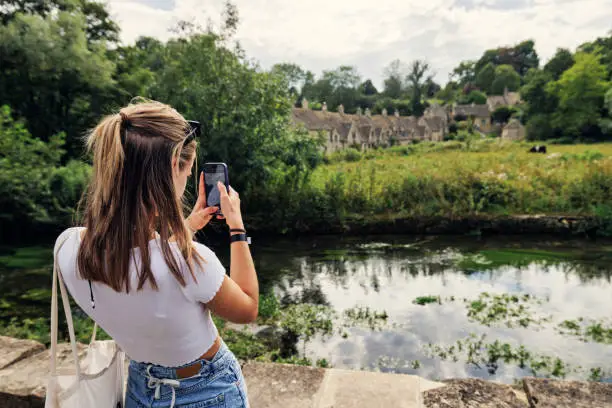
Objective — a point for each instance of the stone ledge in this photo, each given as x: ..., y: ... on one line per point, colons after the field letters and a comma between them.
x: 12, y: 350
x: 544, y: 393
x: 22, y: 385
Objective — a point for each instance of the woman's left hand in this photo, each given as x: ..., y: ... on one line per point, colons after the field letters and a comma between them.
x: 200, y: 215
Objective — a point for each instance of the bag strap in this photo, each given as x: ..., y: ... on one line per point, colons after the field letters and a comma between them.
x: 54, y: 319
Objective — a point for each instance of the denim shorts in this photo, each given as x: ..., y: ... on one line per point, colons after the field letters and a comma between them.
x: 218, y: 384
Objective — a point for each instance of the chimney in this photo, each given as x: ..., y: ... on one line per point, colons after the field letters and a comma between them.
x: 473, y: 104
x: 505, y: 91
x: 368, y: 113
x: 341, y: 109
x: 305, y: 103
x: 396, y: 113
x: 384, y: 112
x: 359, y: 111
x: 324, y: 107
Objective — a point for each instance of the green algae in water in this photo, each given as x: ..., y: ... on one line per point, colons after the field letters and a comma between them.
x: 475, y: 350
x: 587, y: 330
x: 364, y: 316
x: 513, y: 310
x: 492, y: 259
x: 426, y: 300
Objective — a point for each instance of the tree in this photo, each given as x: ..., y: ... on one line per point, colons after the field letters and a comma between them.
x: 580, y: 90
x: 485, y: 78
x: 539, y: 128
x: 394, y: 82
x: 368, y: 88
x: 522, y: 57
x: 535, y: 94
x: 26, y: 165
x: 505, y: 77
x: 99, y: 24
x: 417, y: 78
x: 465, y: 73
x: 431, y: 88
x: 477, y: 97
x: 51, y: 78
x: 559, y: 63
x: 606, y: 123
x: 244, y: 114
x: 449, y: 92
x: 503, y: 114
x: 603, y: 47
x: 336, y: 87
x: 135, y: 67
x: 292, y: 74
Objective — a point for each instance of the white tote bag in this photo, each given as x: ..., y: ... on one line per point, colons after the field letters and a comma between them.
x: 95, y: 383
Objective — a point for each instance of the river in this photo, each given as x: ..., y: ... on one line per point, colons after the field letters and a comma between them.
x: 447, y: 307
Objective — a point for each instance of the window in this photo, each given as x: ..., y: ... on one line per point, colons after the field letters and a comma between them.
x: 483, y: 122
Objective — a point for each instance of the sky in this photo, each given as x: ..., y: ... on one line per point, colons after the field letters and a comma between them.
x: 369, y: 34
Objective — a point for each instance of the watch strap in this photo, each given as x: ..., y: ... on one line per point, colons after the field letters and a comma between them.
x: 240, y: 238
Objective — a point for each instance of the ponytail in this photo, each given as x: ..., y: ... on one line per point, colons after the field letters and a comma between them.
x: 131, y: 195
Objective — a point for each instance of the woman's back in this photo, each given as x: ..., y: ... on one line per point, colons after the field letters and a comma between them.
x: 135, y: 269
x: 169, y: 326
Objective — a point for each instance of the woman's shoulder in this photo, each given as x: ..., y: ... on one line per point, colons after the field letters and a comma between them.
x: 66, y: 235
x: 202, y: 249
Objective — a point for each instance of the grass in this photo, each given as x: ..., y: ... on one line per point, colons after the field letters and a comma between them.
x: 467, y: 178
x: 27, y: 258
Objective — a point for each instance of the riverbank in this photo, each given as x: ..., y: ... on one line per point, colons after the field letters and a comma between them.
x: 482, y: 224
x: 24, y: 367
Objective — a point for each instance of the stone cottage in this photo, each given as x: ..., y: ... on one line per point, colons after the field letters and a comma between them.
x: 364, y: 130
x: 507, y: 99
x: 478, y: 114
x: 514, y: 130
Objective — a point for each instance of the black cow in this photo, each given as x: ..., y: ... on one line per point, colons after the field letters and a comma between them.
x: 538, y: 149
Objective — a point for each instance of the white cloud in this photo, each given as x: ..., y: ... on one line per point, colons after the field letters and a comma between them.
x: 369, y: 34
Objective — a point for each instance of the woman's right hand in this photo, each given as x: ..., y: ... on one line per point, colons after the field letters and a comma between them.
x: 230, y: 207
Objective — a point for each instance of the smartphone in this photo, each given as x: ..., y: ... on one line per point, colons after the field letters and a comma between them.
x: 213, y: 174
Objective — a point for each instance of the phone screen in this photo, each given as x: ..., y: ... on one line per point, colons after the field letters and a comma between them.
x: 213, y: 174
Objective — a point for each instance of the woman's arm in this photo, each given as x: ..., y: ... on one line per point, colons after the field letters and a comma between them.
x: 238, y: 298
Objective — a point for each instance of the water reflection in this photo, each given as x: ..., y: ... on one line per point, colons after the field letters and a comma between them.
x: 387, y: 275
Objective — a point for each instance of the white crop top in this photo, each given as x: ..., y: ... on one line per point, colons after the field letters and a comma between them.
x: 170, y: 326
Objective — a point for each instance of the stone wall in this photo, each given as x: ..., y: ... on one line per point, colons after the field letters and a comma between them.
x: 24, y: 366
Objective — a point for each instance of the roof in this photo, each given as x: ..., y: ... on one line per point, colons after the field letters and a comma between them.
x: 479, y: 111
x: 312, y: 120
x: 435, y: 123
x: 514, y: 124
x: 402, y: 126
x: 509, y: 99
x: 435, y: 110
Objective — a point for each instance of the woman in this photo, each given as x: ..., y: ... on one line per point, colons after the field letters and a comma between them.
x: 134, y: 268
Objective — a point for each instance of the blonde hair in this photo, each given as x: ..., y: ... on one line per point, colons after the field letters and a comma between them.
x: 131, y: 194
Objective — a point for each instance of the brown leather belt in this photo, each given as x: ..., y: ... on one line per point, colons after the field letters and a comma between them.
x: 194, y: 368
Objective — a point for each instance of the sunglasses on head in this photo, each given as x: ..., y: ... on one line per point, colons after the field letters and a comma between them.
x: 193, y: 130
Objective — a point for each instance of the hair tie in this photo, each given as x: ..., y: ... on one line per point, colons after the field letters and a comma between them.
x: 125, y: 121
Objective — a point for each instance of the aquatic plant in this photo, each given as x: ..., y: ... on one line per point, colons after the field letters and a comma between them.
x: 425, y: 300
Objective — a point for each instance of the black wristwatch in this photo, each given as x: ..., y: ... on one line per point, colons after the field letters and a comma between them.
x: 240, y: 238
